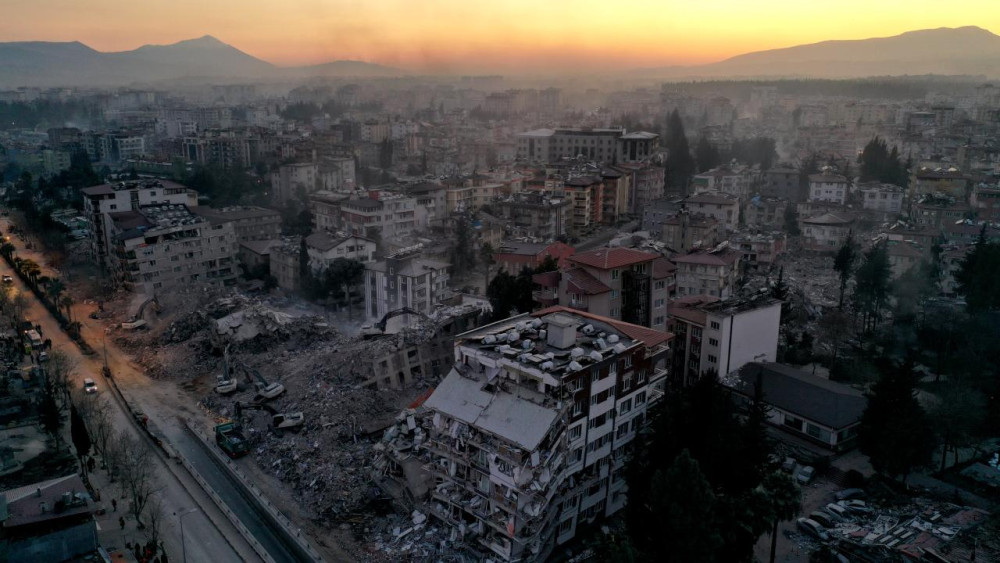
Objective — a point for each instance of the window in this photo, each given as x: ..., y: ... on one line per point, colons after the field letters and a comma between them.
x: 641, y: 377
x: 595, y: 375
x: 713, y: 342
x: 577, y: 408
x: 615, y: 312
x: 658, y: 320
x: 628, y: 361
x: 613, y: 368
x: 614, y: 274
x: 712, y: 359
x: 792, y: 422
x: 577, y: 455
x: 621, y: 432
x: 614, y: 294
x: 657, y: 303
x: 625, y: 407
x: 640, y: 398
x: 660, y: 284
x: 565, y: 526
x: 575, y: 432
x: 598, y: 422
x: 715, y: 325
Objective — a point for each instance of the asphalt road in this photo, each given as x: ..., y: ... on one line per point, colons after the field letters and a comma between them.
x: 204, y: 540
x: 273, y: 539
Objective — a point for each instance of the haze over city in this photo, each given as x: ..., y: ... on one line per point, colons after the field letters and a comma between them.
x: 517, y: 281
x: 455, y: 36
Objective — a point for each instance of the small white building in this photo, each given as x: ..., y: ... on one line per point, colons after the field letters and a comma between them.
x: 324, y: 248
x: 877, y: 196
x: 828, y: 187
x: 825, y: 232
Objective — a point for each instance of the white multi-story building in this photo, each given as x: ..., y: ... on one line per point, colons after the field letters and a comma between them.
x: 610, y: 145
x: 712, y: 273
x: 413, y: 282
x: 877, y: 196
x: 324, y: 248
x: 158, y: 247
x: 100, y: 201
x: 828, y: 187
x: 292, y: 180
x: 528, y: 435
x: 721, y: 336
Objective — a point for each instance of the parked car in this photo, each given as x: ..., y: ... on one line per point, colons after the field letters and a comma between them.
x: 7, y: 280
x: 805, y: 475
x: 838, y: 511
x: 823, y: 519
x: 43, y: 357
x: 789, y: 465
x: 855, y: 505
x: 850, y: 494
x: 89, y: 386
x: 812, y: 528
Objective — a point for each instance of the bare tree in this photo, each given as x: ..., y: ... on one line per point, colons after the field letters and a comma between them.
x: 96, y: 413
x: 138, y: 474
x: 155, y: 516
x: 59, y: 371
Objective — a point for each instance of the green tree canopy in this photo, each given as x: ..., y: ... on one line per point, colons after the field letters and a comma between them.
x: 895, y: 432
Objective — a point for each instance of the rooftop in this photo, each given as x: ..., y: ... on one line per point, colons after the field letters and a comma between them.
x: 110, y: 188
x: 829, y: 219
x: 411, y: 266
x: 723, y: 257
x: 609, y: 258
x: 710, y: 198
x: 236, y: 213
x: 323, y: 241
x: 790, y: 389
x: 579, y: 281
x: 25, y: 504
x: 828, y: 178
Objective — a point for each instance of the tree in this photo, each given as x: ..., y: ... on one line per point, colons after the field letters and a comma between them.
x: 881, y: 164
x: 835, y: 327
x: 783, y: 498
x: 895, y: 432
x: 55, y: 289
x: 706, y: 155
x: 872, y: 286
x: 96, y: 414
x: 463, y: 257
x: 49, y: 411
x: 792, y: 220
x: 978, y: 276
x: 305, y: 271
x: 78, y: 433
x: 958, y: 414
x: 510, y: 294
x: 843, y: 264
x: 137, y: 473
x: 682, y: 510
x: 679, y: 164
x: 486, y: 254
x: 67, y: 304
x: 344, y: 275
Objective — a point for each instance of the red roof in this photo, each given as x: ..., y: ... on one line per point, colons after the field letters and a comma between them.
x: 646, y: 335
x: 709, y: 258
x: 579, y: 281
x: 688, y: 308
x: 608, y: 258
x: 663, y: 268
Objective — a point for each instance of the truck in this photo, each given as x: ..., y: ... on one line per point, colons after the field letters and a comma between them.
x: 34, y: 338
x: 231, y: 440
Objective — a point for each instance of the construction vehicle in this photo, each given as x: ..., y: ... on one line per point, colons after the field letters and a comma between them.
x: 279, y: 420
x: 231, y: 440
x: 226, y: 381
x: 378, y: 329
x: 264, y: 388
x: 138, y: 321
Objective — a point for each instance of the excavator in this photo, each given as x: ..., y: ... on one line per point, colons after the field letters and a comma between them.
x: 279, y: 420
x: 226, y: 382
x: 265, y: 389
x: 378, y: 329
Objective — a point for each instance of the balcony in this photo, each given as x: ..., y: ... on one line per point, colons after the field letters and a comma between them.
x: 578, y: 305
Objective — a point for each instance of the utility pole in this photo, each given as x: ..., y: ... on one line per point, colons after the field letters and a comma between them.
x: 187, y: 512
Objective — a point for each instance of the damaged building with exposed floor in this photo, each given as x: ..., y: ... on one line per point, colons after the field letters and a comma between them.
x: 526, y: 438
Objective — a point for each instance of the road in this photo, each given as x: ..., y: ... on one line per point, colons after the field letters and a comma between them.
x: 209, y: 536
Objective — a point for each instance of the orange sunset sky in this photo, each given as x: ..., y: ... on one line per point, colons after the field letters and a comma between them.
x: 487, y: 35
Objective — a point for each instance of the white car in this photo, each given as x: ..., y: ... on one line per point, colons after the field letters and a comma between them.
x: 89, y: 386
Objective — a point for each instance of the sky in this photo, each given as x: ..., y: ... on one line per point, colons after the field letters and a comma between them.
x: 485, y: 35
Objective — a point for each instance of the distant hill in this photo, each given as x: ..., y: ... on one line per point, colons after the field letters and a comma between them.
x: 49, y: 64
x: 950, y: 51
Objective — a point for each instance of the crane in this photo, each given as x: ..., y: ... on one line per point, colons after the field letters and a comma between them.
x: 378, y: 328
x: 279, y: 420
x: 226, y: 382
x: 264, y: 388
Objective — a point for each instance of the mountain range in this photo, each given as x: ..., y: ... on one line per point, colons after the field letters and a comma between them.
x: 39, y: 63
x: 945, y: 51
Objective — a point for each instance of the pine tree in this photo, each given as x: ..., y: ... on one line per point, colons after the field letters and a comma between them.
x: 679, y: 164
x: 895, y: 431
x: 843, y: 264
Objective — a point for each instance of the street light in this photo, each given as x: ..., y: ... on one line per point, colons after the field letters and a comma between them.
x: 180, y: 517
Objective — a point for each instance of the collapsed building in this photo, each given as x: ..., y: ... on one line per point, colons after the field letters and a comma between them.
x: 525, y: 439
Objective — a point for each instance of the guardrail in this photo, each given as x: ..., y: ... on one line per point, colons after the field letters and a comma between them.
x: 258, y: 496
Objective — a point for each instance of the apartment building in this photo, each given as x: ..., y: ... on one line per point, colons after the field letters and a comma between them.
x: 726, y: 209
x: 685, y: 231
x: 249, y: 222
x: 781, y: 182
x: 412, y: 281
x: 534, y: 215
x: 324, y: 206
x: 828, y: 187
x: 619, y: 283
x: 527, y: 437
x: 291, y: 181
x: 876, y: 196
x: 949, y: 182
x: 729, y: 180
x: 609, y: 146
x: 765, y: 212
x: 645, y: 184
x: 323, y: 248
x: 760, y: 250
x: 825, y: 232
x: 586, y: 195
x: 381, y: 214
x: 100, y: 201
x: 158, y: 247
x: 515, y: 256
x: 708, y: 272
x: 721, y: 336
